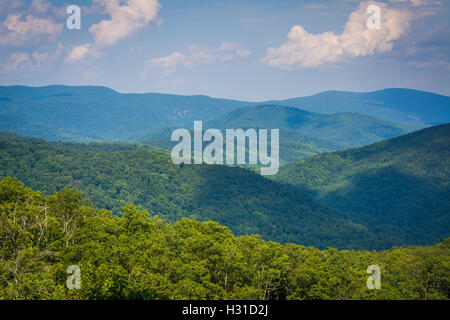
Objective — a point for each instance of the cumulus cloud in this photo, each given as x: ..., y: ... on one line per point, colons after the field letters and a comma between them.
x: 196, y: 55
x: 304, y: 49
x: 17, y: 30
x: 22, y: 61
x: 125, y: 19
x: 79, y: 52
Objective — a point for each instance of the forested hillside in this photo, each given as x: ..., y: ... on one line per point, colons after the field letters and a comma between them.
x: 395, y: 186
x: 342, y: 129
x: 292, y: 144
x: 238, y: 198
x: 135, y: 256
x: 302, y: 133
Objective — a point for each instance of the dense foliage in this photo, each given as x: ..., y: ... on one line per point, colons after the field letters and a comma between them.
x: 398, y: 187
x: 238, y: 198
x: 135, y: 256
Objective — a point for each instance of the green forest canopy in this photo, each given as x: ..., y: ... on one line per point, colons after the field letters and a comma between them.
x: 135, y: 256
x: 399, y: 185
x: 236, y: 197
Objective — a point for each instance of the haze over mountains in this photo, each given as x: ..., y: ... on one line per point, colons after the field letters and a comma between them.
x: 99, y: 113
x: 394, y: 104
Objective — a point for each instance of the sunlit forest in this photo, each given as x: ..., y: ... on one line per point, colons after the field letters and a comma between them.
x: 135, y: 256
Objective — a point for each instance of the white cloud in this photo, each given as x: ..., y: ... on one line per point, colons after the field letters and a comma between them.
x: 304, y: 49
x: 195, y: 56
x: 17, y: 31
x: 125, y: 19
x: 168, y: 63
x: 79, y: 52
x: 22, y: 61
x: 17, y: 61
x: 83, y: 51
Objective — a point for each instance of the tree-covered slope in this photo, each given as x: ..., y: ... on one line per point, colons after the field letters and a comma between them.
x: 397, y: 186
x: 135, y: 256
x: 292, y: 144
x: 239, y: 198
x: 302, y: 133
x: 394, y: 104
x: 342, y: 129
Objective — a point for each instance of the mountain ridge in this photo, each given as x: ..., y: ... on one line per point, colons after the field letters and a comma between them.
x: 89, y: 113
x: 112, y: 176
x: 402, y: 182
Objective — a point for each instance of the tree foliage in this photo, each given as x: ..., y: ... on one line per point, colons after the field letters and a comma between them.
x: 137, y: 256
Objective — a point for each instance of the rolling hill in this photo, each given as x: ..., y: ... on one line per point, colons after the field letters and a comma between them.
x: 395, y: 186
x: 302, y: 133
x: 293, y: 145
x: 98, y: 113
x: 114, y: 175
x: 343, y: 129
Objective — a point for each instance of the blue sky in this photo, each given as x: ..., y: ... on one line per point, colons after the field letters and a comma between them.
x: 248, y: 49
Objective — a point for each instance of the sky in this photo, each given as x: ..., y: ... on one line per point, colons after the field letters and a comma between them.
x: 249, y: 49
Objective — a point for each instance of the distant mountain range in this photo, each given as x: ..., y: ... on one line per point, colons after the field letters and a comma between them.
x: 398, y: 187
x: 302, y: 133
x: 99, y: 113
x: 398, y: 105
